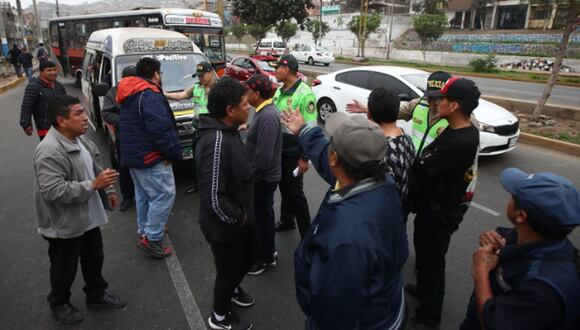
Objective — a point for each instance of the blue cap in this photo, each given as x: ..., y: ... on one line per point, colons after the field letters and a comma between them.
x: 546, y: 197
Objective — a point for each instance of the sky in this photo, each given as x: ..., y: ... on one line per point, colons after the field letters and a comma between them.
x: 26, y: 3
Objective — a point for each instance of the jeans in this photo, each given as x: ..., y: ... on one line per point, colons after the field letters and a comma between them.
x: 64, y: 259
x: 154, y: 197
x: 264, y: 214
x: 17, y: 69
x: 294, y: 203
x: 233, y: 259
x: 28, y: 72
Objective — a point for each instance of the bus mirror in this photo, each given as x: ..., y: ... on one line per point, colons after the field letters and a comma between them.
x: 101, y: 89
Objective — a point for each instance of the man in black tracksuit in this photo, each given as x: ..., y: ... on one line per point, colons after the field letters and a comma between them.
x: 225, y: 181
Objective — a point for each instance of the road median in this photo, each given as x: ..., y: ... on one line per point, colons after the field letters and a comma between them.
x: 552, y: 144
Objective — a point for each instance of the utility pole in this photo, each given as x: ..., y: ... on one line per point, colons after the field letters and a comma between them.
x: 391, y: 18
x: 204, y: 5
x: 57, y: 11
x: 39, y: 36
x: 320, y: 24
x: 21, y: 23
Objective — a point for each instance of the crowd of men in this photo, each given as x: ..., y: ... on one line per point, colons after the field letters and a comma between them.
x: 21, y: 59
x: 349, y: 261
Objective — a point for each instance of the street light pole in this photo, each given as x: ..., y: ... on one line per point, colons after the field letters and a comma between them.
x: 39, y: 36
x: 57, y: 11
x: 391, y: 18
x: 21, y: 23
x: 320, y: 24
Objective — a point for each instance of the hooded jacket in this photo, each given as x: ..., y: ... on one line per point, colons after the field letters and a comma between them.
x: 225, y: 181
x: 148, y: 133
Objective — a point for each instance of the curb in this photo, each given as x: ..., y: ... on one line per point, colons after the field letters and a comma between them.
x: 540, y: 141
x: 12, y: 84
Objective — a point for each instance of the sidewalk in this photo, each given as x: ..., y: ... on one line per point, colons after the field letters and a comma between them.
x: 12, y: 80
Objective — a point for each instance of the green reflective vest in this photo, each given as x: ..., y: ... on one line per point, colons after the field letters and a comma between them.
x: 302, y: 97
x: 199, y: 100
x: 423, y: 134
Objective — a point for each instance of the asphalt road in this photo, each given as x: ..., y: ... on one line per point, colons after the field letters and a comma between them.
x: 159, y: 291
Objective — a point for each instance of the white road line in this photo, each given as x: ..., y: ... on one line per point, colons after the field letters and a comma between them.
x: 188, y: 304
x: 485, y: 209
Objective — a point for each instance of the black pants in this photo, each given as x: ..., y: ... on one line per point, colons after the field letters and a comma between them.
x: 125, y: 180
x: 264, y: 214
x: 294, y: 203
x: 64, y: 259
x: 433, y: 230
x: 233, y: 259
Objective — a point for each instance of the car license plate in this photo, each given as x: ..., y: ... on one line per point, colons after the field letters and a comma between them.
x: 187, y: 153
x: 512, y: 141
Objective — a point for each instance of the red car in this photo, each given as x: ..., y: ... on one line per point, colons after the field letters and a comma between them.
x: 242, y: 68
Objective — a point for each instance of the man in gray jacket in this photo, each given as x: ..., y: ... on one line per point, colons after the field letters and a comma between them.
x: 69, y: 208
x: 264, y: 147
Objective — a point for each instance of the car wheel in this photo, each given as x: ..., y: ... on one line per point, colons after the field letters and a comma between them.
x: 325, y: 108
x: 326, y: 64
x: 310, y: 61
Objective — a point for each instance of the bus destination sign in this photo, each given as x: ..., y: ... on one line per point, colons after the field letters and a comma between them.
x: 148, y: 45
x: 191, y: 20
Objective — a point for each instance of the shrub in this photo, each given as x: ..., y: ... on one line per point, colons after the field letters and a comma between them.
x: 485, y: 64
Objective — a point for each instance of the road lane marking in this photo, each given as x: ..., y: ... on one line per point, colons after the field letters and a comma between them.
x: 485, y: 209
x: 188, y: 304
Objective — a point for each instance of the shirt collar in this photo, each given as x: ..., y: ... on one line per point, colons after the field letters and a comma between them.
x: 263, y: 105
x: 292, y: 89
x: 47, y: 83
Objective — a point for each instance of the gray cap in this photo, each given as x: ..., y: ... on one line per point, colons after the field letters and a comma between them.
x: 356, y: 139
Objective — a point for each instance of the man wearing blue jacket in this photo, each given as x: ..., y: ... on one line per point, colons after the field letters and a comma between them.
x: 149, y: 143
x: 348, y: 266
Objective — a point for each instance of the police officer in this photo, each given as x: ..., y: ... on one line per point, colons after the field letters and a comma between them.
x: 528, y: 277
x: 294, y: 94
x: 198, y: 95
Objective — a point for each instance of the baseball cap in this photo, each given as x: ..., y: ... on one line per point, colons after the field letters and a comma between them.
x: 547, y: 198
x: 262, y: 84
x: 461, y: 89
x: 289, y: 61
x: 357, y: 139
x: 129, y: 71
x: 435, y: 82
x: 201, y: 68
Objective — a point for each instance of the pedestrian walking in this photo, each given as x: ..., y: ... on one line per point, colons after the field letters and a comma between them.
x: 69, y: 208
x: 198, y: 94
x: 25, y: 59
x: 36, y: 96
x: 41, y: 53
x: 528, y: 276
x: 13, y: 56
x: 441, y: 188
x: 264, y: 147
x: 348, y: 265
x: 293, y: 94
x: 226, y: 200
x: 111, y: 115
x: 149, y: 143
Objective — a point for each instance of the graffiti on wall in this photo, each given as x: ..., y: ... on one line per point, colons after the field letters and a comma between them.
x: 509, y: 38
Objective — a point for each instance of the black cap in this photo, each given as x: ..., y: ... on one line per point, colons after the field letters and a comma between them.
x: 201, y: 68
x: 129, y: 71
x: 435, y: 82
x: 462, y: 89
x: 262, y: 84
x: 289, y: 61
x: 46, y: 64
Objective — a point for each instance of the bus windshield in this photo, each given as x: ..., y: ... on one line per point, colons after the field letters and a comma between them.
x: 177, y: 69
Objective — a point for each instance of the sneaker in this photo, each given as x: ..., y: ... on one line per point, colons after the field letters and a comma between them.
x: 242, y: 298
x: 126, y: 204
x: 155, y: 249
x: 107, y: 301
x: 261, y: 266
x: 67, y: 313
x: 230, y: 322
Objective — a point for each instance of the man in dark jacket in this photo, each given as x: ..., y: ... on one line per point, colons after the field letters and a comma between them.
x: 41, y: 53
x: 264, y: 147
x: 348, y: 266
x: 25, y: 59
x: 13, y: 55
x: 225, y: 192
x: 36, y: 96
x: 149, y: 143
x: 110, y: 112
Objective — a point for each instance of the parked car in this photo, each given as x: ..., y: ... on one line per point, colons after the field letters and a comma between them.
x: 313, y: 55
x: 271, y: 47
x: 243, y: 67
x: 499, y: 128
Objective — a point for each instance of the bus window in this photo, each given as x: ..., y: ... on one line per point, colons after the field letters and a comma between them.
x: 82, y: 29
x: 139, y: 22
x: 54, y: 35
x: 213, y: 47
x: 101, y: 25
x: 122, y: 23
x: 70, y: 36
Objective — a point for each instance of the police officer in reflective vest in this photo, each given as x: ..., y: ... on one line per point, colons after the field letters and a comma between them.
x: 198, y: 95
x: 294, y: 94
x: 528, y: 277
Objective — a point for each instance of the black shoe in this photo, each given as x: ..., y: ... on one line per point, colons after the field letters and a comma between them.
x: 411, y: 290
x: 126, y: 204
x: 67, y: 313
x: 261, y: 266
x: 282, y: 226
x: 107, y: 301
x: 192, y: 189
x: 230, y: 322
x: 242, y: 298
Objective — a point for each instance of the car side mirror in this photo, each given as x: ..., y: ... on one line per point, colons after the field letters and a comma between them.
x: 405, y: 97
x: 101, y: 89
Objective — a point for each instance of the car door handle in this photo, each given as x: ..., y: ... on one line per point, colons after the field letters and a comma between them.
x: 337, y: 88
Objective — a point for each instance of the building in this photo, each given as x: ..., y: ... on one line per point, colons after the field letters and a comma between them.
x: 10, y: 31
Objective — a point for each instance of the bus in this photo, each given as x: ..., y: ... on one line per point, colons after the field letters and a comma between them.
x: 69, y: 35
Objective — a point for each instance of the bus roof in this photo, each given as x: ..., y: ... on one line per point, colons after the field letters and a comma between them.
x: 119, y: 41
x: 171, y: 16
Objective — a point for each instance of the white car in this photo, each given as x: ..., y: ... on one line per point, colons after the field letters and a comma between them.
x: 313, y: 55
x: 499, y: 128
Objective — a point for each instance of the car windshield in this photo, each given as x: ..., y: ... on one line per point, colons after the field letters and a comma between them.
x: 418, y: 80
x: 279, y: 44
x: 266, y: 66
x: 321, y: 49
x: 176, y: 68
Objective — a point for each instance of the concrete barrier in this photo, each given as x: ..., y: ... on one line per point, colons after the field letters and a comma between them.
x: 554, y: 110
x: 552, y: 144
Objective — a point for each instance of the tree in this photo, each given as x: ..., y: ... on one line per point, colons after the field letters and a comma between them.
x: 264, y: 15
x: 373, y: 22
x: 432, y: 6
x: 429, y: 27
x: 573, y: 13
x: 257, y: 32
x: 318, y: 29
x: 238, y: 30
x: 286, y: 30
